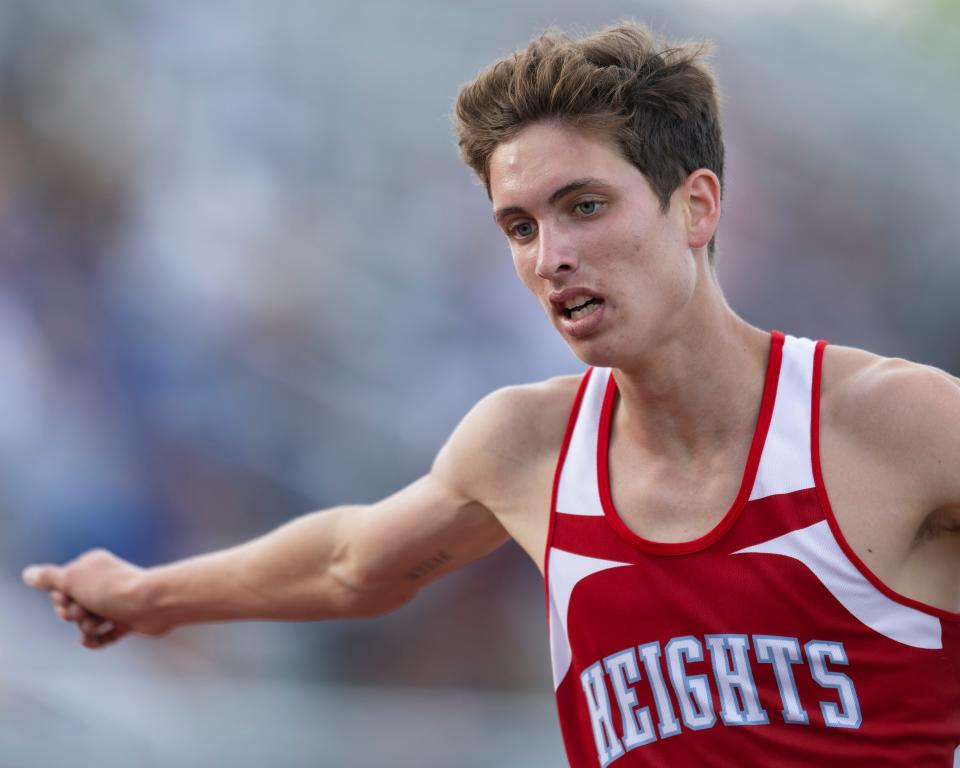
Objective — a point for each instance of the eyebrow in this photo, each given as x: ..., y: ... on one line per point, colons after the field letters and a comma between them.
x: 556, y: 195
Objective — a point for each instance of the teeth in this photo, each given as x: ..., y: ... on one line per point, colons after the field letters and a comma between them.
x: 578, y: 313
x: 576, y: 301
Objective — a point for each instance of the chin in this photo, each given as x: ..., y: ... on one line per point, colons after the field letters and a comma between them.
x: 595, y: 354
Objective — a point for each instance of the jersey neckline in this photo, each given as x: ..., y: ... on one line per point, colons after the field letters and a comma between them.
x: 774, y: 359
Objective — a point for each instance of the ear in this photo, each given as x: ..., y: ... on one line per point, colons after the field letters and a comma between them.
x: 701, y: 192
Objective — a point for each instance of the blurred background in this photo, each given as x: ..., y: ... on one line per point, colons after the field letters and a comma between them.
x: 243, y: 275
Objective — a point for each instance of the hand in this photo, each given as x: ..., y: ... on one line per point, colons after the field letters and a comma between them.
x: 99, y: 591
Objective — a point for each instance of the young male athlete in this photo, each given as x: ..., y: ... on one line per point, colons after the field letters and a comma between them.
x: 749, y: 539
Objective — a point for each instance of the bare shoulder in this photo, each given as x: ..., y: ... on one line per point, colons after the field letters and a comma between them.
x: 906, y: 415
x: 503, y: 454
x: 875, y: 395
x: 508, y: 430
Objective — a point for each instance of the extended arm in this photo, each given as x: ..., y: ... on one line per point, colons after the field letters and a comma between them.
x: 343, y: 562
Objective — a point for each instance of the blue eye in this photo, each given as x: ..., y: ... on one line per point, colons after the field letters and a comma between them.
x: 522, y: 230
x: 588, y: 207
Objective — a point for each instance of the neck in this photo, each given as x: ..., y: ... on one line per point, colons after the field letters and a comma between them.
x: 700, y: 386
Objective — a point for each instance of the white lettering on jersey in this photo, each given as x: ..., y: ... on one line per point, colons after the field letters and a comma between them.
x: 731, y: 670
x: 733, y: 677
x: 637, y: 723
x: 734, y: 680
x: 783, y: 653
x: 668, y: 724
x: 609, y: 747
x: 848, y: 714
x: 693, y: 691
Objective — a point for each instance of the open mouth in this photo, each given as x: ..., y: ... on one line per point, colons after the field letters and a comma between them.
x: 581, y: 306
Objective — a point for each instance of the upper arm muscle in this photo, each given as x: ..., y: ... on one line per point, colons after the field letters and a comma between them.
x: 910, y: 413
x: 489, y: 482
x: 423, y: 531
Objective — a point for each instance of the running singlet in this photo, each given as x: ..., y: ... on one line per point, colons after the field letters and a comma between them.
x: 765, y: 642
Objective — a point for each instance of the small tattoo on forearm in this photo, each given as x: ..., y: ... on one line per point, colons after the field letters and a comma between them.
x: 431, y: 564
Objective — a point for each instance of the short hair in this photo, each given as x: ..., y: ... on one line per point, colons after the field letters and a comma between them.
x: 657, y: 100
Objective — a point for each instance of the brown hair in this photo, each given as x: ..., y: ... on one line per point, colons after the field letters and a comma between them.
x: 657, y: 100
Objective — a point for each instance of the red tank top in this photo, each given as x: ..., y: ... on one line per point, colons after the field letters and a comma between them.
x: 765, y: 642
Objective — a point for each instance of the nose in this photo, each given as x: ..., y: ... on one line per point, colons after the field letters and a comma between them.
x: 555, y: 254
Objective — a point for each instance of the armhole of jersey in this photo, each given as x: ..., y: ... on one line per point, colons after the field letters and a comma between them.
x: 828, y: 510
x: 551, y: 524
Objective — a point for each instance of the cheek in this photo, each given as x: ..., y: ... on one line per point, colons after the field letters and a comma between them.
x: 648, y: 274
x: 525, y: 269
x: 677, y: 278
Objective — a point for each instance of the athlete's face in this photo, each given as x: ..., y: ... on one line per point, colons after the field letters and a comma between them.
x: 590, y: 242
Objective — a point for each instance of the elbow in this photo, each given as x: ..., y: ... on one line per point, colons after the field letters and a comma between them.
x: 362, y: 594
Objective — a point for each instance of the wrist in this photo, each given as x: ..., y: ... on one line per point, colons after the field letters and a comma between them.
x: 153, y: 608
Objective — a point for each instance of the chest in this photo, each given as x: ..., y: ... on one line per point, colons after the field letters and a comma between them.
x: 675, y: 501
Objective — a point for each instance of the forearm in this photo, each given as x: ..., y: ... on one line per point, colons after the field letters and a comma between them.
x: 297, y: 572
x: 338, y: 563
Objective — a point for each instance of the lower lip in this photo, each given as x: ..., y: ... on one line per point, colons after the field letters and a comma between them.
x: 583, y: 326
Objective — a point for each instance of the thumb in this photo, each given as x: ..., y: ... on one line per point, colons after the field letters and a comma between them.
x: 43, y: 576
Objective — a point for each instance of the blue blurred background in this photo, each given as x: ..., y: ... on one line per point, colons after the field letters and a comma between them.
x: 243, y: 275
